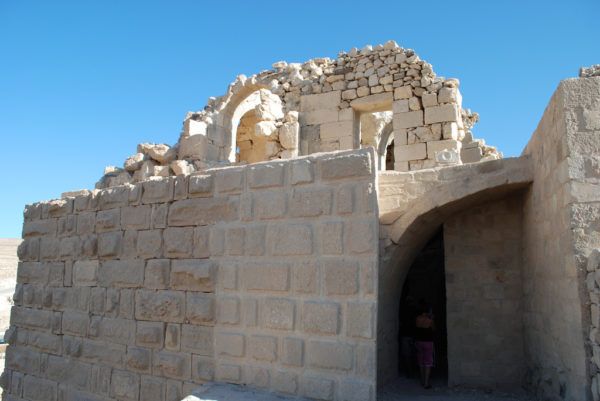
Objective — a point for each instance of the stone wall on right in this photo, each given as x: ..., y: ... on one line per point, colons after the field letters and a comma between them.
x: 561, y: 220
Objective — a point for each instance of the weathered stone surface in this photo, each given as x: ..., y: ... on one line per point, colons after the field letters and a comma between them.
x: 193, y: 275
x: 167, y: 306
x: 202, y: 211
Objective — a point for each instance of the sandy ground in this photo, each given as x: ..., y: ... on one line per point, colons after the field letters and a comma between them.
x: 8, y: 279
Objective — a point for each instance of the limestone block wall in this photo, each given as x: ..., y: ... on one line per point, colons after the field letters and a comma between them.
x: 263, y: 274
x: 561, y: 230
x: 482, y: 247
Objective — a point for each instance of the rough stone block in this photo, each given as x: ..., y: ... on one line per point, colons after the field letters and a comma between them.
x: 317, y: 117
x: 85, y: 273
x: 269, y: 204
x: 201, y: 242
x: 138, y: 359
x: 293, y: 351
x: 442, y: 113
x: 229, y: 373
x: 119, y: 331
x: 403, y: 92
x: 136, y: 217
x: 305, y: 277
x: 331, y: 238
x: 200, y: 308
x: 356, y: 390
x: 152, y: 388
x: 157, y: 190
x: 360, y: 236
x: 437, y: 146
x: 200, y: 185
x: 317, y: 387
x: 321, y: 317
x: 360, y: 319
x: 39, y: 227
x: 265, y: 276
x: 75, y: 323
x: 310, y: 202
x: 173, y: 365
x: 290, y: 239
x: 49, y: 248
x: 301, y: 171
x: 202, y: 211
x: 417, y: 151
x: 230, y: 344
x: 278, y: 313
x: 37, y: 389
x: 329, y: 355
x: 109, y: 244
x: 408, y: 119
x: 149, y: 334
x: 229, y: 180
x: 336, y: 130
x: 33, y: 273
x: 178, y: 242
x: 266, y: 175
x: 203, y: 368
x: 197, y: 339
x: 121, y: 273
x: 352, y: 165
x: 68, y: 372
x: 228, y: 310
x: 157, y: 274
x: 329, y: 100
x: 113, y: 197
x: 167, y: 306
x: 193, y: 275
x: 285, y: 382
x: 108, y: 220
x: 173, y: 337
x: 340, y: 276
x: 234, y: 241
x: 262, y: 348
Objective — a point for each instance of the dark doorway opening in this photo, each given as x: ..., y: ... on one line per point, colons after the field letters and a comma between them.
x: 389, y: 157
x: 425, y: 283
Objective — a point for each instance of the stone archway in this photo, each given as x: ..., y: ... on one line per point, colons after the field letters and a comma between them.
x: 406, y: 229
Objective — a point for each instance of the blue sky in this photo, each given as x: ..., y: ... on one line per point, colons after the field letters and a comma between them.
x: 82, y: 82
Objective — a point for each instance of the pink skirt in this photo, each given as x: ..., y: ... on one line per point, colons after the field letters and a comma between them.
x: 425, y: 353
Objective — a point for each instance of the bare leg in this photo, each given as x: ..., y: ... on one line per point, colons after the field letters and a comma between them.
x: 427, y: 374
x: 422, y: 368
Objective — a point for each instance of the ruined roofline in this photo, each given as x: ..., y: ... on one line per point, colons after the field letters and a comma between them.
x: 292, y: 102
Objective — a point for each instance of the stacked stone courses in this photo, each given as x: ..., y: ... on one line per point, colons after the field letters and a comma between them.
x: 263, y: 274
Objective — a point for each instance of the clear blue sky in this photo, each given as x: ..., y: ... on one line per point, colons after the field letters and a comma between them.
x: 82, y: 82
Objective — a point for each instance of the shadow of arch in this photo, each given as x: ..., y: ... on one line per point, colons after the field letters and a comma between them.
x: 418, y: 222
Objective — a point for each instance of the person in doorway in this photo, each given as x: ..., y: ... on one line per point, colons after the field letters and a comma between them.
x: 424, y: 326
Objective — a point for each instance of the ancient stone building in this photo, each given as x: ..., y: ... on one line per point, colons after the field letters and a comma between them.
x: 278, y: 244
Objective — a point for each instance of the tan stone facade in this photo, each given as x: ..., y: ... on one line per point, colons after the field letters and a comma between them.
x: 200, y: 262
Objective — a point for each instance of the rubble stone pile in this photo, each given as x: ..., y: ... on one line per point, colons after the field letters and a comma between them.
x: 322, y: 105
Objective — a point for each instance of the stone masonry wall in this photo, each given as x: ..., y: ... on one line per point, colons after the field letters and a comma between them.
x: 560, y: 231
x: 262, y: 274
x: 484, y: 295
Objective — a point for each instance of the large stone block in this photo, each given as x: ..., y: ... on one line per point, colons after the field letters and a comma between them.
x: 265, y: 276
x: 197, y: 339
x: 68, y: 372
x: 321, y: 317
x: 75, y: 323
x: 113, y: 197
x: 174, y: 365
x: 229, y: 180
x: 230, y: 344
x: 193, y: 275
x: 305, y: 277
x: 278, y: 313
x: 125, y: 385
x: 360, y: 319
x: 268, y: 205
x: 203, y: 368
x: 85, y: 273
x: 331, y: 237
x: 262, y: 348
x: 108, y: 220
x: 37, y: 389
x: 31, y: 318
x: 328, y: 100
x: 317, y: 387
x: 266, y: 175
x: 317, y: 117
x: 157, y: 190
x: 408, y: 119
x: 33, y: 273
x: 121, y: 273
x: 202, y: 211
x: 152, y: 388
x: 311, y: 202
x: 228, y: 310
x: 285, y: 382
x: 150, y: 334
x: 416, y: 151
x: 361, y: 236
x: 290, y: 239
x: 442, y: 113
x: 340, y: 276
x: 167, y: 306
x: 336, y: 130
x: 178, y: 242
x: 109, y: 244
x: 329, y: 355
x: 39, y: 227
x: 200, y: 308
x: 149, y: 243
x: 351, y: 165
x: 136, y: 217
x: 200, y: 185
x: 356, y: 390
x: 115, y: 330
x: 434, y: 147
x: 22, y: 359
x: 157, y: 274
x: 293, y: 351
x: 301, y: 171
